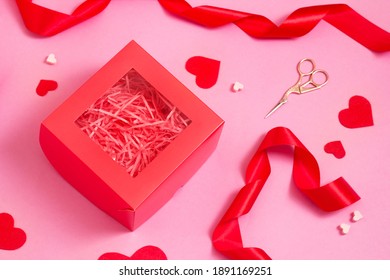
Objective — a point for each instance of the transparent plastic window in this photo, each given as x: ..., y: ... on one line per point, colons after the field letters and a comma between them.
x: 132, y: 122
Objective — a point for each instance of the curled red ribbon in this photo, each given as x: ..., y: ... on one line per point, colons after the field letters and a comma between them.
x: 330, y: 197
x: 297, y: 24
x: 47, y: 22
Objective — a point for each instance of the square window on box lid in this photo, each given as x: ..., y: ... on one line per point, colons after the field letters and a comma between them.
x: 130, y: 136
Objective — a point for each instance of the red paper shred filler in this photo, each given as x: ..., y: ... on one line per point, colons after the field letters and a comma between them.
x: 133, y: 122
x: 130, y: 136
x: 330, y: 197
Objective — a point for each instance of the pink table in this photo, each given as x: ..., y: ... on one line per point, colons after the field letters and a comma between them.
x: 61, y: 224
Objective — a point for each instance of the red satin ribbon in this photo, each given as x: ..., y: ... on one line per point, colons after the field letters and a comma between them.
x: 47, y: 22
x: 330, y: 197
x: 297, y: 24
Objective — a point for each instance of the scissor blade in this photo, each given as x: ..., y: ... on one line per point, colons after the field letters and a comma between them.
x: 277, y: 106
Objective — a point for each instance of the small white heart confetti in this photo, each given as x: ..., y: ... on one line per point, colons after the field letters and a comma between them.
x: 237, y: 86
x: 51, y: 59
x: 344, y: 228
x: 356, y: 216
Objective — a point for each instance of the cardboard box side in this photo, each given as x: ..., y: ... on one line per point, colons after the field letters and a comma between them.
x: 82, y: 178
x: 61, y: 123
x: 177, y: 178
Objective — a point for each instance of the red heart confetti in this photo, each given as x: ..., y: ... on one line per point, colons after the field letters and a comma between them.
x: 205, y: 69
x: 144, y: 253
x: 45, y: 86
x: 336, y: 148
x: 358, y: 114
x: 11, y: 238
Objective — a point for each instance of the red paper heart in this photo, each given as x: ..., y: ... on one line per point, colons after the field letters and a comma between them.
x: 336, y: 148
x: 205, y: 69
x: 358, y: 114
x: 45, y: 86
x: 11, y: 238
x: 145, y: 253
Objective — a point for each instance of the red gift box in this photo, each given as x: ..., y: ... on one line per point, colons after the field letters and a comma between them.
x: 101, y: 171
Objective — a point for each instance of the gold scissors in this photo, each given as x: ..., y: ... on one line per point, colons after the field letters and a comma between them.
x: 305, y: 83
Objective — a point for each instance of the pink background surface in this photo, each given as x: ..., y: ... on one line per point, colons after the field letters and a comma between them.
x: 61, y: 224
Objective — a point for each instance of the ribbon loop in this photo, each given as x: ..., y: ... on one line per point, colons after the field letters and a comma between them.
x: 331, y: 197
